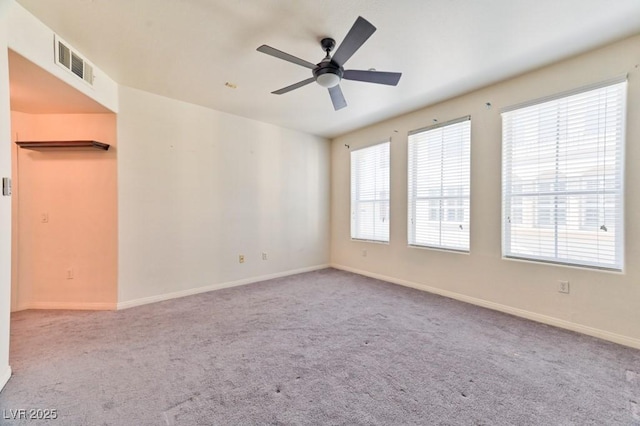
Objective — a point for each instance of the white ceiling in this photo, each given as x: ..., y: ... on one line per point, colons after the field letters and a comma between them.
x: 189, y: 49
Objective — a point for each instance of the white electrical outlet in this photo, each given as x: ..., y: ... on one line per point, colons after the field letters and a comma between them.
x: 364, y: 253
x: 563, y: 287
x: 70, y: 273
x: 264, y: 256
x: 241, y: 258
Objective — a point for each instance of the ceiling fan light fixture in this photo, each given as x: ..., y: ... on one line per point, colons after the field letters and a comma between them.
x: 328, y: 80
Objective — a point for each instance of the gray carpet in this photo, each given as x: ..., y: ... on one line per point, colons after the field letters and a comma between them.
x: 326, y: 348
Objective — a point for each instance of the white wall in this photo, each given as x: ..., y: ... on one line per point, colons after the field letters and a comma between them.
x: 198, y: 187
x: 5, y: 202
x: 600, y: 303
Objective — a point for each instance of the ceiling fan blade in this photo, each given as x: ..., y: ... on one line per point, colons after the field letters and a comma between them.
x: 294, y: 86
x: 282, y: 55
x: 337, y: 97
x: 357, y: 35
x: 379, y: 77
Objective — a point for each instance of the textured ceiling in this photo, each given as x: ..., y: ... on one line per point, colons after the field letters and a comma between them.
x: 189, y: 49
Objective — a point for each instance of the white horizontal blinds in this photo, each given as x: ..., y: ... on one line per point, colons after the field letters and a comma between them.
x: 439, y: 186
x: 563, y: 179
x: 370, y: 193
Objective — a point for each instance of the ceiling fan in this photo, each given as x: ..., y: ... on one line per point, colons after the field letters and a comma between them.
x: 330, y: 71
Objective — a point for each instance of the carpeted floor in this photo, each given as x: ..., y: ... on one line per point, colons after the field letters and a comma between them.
x: 322, y: 348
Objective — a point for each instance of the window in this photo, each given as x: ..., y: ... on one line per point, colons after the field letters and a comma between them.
x: 439, y: 185
x: 562, y: 179
x: 370, y: 193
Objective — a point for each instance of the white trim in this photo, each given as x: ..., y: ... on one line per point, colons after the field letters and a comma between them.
x: 189, y: 292
x: 362, y: 240
x: 369, y: 145
x: 567, y: 93
x: 74, y: 306
x: 438, y: 125
x: 5, y: 377
x: 442, y: 249
x: 545, y: 319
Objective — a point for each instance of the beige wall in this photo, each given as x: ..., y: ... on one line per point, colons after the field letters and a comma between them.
x: 600, y: 303
x: 77, y: 191
x: 198, y: 187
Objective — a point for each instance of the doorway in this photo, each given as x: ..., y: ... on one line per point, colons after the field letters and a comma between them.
x: 64, y: 210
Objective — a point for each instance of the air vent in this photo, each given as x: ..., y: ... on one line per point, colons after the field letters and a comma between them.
x: 72, y: 61
x: 64, y: 55
x: 88, y: 73
x: 77, y: 65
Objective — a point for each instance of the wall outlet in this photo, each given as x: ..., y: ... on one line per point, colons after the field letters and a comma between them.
x: 563, y: 287
x: 241, y: 258
x: 70, y: 273
x: 44, y: 217
x: 364, y: 253
x: 264, y: 256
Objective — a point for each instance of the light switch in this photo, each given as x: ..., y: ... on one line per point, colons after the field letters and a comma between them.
x: 6, y: 186
x: 44, y: 217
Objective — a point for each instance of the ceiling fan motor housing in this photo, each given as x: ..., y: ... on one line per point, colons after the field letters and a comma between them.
x: 328, y: 73
x: 327, y: 44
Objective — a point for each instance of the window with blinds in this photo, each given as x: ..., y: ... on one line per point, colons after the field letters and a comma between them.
x: 562, y: 179
x: 370, y: 193
x: 439, y: 185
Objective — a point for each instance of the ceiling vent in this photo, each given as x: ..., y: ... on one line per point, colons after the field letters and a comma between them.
x: 71, y: 60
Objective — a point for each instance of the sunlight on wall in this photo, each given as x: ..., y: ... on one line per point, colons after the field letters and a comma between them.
x: 65, y: 214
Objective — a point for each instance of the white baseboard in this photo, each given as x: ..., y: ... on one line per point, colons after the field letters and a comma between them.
x: 219, y: 286
x: 545, y: 319
x: 75, y: 306
x: 4, y: 378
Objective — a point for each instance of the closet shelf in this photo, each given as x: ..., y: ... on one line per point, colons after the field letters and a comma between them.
x: 62, y: 144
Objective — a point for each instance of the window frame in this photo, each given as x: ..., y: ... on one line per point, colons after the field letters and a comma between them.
x: 575, y: 193
x: 444, y: 205
x: 380, y: 203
